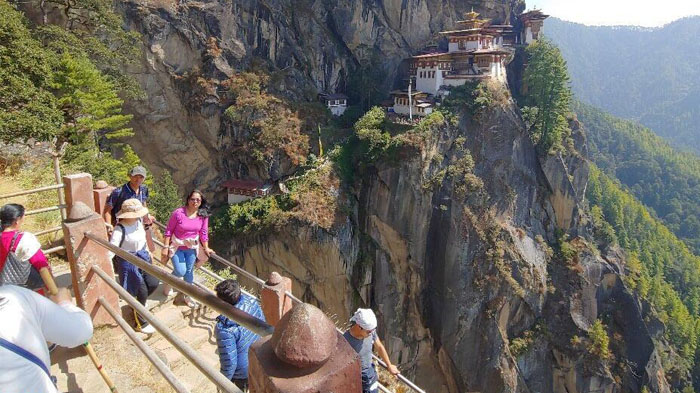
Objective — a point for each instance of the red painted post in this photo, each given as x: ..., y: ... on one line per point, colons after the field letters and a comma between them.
x: 100, y: 194
x: 78, y: 188
x: 305, y: 354
x: 273, y: 300
x: 82, y: 253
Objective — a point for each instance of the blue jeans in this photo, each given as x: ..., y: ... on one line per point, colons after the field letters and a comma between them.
x: 183, y: 264
x: 370, y: 380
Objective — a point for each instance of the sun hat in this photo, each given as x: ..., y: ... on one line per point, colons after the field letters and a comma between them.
x: 365, y: 318
x: 132, y: 208
x: 138, y: 170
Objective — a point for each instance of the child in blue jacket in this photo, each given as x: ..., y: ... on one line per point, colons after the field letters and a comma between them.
x: 233, y: 339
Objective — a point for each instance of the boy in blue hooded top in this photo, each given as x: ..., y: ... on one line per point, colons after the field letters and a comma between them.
x: 233, y: 339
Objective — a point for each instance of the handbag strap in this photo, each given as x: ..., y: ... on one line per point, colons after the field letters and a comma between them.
x: 12, y: 245
x: 121, y: 242
x: 25, y: 354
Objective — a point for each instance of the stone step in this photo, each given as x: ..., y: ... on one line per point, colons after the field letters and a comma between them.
x: 124, y: 362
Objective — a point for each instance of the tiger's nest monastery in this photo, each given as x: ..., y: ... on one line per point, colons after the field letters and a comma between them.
x: 476, y: 50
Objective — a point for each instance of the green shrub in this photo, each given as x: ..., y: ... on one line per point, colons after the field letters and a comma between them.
x: 599, y: 341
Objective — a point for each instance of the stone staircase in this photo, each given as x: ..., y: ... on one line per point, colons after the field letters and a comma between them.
x: 126, y: 365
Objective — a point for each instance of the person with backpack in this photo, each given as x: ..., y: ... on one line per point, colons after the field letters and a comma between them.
x: 129, y: 235
x: 186, y: 239
x: 21, y: 258
x: 27, y: 321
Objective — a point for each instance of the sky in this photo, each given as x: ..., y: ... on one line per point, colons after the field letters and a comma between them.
x: 650, y: 13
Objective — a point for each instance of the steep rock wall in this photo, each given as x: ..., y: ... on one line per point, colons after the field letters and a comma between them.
x: 456, y: 279
x: 190, y: 47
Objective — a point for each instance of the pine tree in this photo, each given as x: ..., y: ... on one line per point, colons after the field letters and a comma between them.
x: 27, y: 107
x: 548, y: 95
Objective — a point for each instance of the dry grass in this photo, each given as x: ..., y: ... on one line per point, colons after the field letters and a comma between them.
x: 33, y: 177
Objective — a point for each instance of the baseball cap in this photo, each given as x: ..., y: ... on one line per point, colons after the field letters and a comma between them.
x: 138, y: 170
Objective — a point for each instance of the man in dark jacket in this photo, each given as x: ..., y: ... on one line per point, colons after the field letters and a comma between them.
x: 233, y: 339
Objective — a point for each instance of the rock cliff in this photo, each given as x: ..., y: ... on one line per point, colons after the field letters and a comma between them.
x: 192, y: 47
x: 470, y: 293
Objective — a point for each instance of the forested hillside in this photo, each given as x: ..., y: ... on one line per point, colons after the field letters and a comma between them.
x: 663, y: 179
x: 660, y: 268
x: 648, y: 75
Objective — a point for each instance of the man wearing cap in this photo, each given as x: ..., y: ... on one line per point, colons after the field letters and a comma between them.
x: 362, y: 337
x: 133, y: 189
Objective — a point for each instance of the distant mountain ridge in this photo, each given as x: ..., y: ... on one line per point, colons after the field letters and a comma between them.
x: 651, y: 75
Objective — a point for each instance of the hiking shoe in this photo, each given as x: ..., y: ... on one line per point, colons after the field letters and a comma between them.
x: 148, y: 329
x: 189, y: 302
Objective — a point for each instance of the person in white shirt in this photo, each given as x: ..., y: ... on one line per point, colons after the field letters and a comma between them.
x: 130, y: 235
x: 27, y: 321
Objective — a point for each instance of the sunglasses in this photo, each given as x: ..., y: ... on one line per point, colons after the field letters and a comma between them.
x: 195, y: 199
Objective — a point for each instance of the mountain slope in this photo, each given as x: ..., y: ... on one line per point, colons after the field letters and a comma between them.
x: 666, y: 181
x: 648, y: 75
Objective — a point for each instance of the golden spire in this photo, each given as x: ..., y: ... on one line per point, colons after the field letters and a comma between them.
x: 471, y: 15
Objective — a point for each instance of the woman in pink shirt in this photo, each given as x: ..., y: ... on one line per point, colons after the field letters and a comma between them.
x: 187, y: 238
x: 24, y: 244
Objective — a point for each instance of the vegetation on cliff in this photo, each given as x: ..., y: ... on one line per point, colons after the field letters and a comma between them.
x: 273, y: 129
x: 660, y: 267
x: 666, y: 181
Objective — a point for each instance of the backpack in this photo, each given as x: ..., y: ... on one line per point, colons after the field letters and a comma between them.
x: 18, y: 272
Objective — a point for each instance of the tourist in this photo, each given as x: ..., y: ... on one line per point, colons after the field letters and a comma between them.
x: 21, y: 258
x: 130, y: 236
x: 362, y: 337
x: 27, y: 321
x: 134, y: 188
x: 232, y: 339
x: 187, y: 239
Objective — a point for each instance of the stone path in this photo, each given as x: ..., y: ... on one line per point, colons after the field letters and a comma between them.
x: 125, y: 364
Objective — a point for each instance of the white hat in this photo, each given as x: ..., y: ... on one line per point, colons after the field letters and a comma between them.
x: 132, y: 208
x: 365, y: 318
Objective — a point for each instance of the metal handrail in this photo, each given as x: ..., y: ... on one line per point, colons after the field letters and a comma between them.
x: 32, y: 191
x: 248, y: 321
x: 296, y: 300
x: 202, y: 268
x: 210, y: 372
x: 164, y: 370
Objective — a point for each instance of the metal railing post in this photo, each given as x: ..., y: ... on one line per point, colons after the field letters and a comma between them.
x: 147, y: 351
x: 213, y: 374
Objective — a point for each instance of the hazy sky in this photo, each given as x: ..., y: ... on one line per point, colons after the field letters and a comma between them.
x: 618, y: 12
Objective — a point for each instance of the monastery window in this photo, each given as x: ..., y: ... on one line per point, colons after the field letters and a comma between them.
x: 462, y: 45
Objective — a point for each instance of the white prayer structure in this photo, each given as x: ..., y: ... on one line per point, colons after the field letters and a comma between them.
x: 337, y: 103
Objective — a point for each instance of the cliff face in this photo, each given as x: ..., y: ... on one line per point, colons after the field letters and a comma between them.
x: 191, y: 47
x: 469, y: 293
